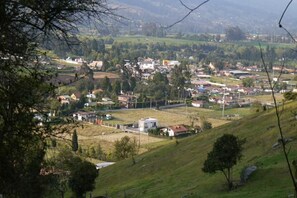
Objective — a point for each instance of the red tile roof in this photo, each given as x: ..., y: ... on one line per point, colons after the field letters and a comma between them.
x: 178, y: 128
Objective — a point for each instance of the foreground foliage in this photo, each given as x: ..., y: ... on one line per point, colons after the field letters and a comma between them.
x: 26, y: 85
x: 68, y: 171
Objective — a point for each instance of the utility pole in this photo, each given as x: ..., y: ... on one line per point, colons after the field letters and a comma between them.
x: 165, y: 98
x: 186, y: 106
x: 139, y: 140
x: 135, y: 106
x: 223, y: 110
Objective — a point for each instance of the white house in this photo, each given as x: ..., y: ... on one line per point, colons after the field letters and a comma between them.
x: 84, y: 116
x: 198, y: 103
x: 106, y: 99
x: 175, y: 130
x: 147, y: 65
x: 96, y: 65
x: 91, y: 96
x: 70, y: 60
x: 64, y: 99
x: 145, y: 124
x: 171, y: 63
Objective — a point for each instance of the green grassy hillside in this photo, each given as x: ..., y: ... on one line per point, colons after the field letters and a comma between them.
x: 174, y: 170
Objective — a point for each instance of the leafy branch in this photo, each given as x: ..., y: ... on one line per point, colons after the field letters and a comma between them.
x: 280, y: 25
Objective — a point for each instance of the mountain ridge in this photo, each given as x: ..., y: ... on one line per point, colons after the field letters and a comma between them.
x: 212, y: 17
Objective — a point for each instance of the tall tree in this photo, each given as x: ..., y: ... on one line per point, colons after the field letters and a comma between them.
x: 125, y: 86
x: 234, y: 34
x: 248, y: 82
x: 125, y: 148
x: 71, y: 171
x: 106, y: 84
x: 116, y: 87
x: 178, y: 81
x: 226, y: 152
x: 74, y: 141
x: 271, y: 56
x: 132, y: 83
x: 82, y: 178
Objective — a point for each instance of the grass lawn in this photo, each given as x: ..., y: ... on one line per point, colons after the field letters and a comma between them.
x: 226, y: 80
x: 215, y: 115
x: 165, y: 117
x: 176, y: 41
x: 64, y: 62
x: 92, y: 135
x: 153, y: 40
x: 101, y: 75
x: 266, y: 98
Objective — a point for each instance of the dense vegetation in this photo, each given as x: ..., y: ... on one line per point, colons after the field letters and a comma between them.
x: 26, y: 88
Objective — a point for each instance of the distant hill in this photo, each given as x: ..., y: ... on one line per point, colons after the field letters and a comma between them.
x: 174, y: 170
x: 252, y: 16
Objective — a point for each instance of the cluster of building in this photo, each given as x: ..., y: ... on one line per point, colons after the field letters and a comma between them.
x: 146, y: 124
x: 232, y: 96
x: 145, y: 68
x: 127, y: 100
x: 201, y: 85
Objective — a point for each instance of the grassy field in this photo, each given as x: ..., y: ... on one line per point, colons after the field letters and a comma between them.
x: 152, y: 40
x: 165, y: 117
x: 90, y: 135
x: 175, y: 41
x: 210, y: 113
x: 107, y: 136
x: 65, y: 63
x: 174, y: 170
x: 101, y: 75
x: 226, y: 80
x: 265, y: 98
